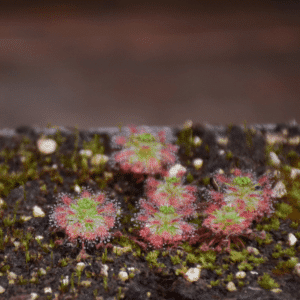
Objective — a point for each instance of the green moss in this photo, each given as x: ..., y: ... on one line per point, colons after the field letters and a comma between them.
x: 294, y: 225
x: 297, y: 235
x: 94, y: 145
x: 283, y: 210
x: 293, y: 157
x: 215, y: 283
x: 206, y: 181
x: 257, y: 260
x: 245, y: 266
x: 237, y: 256
x: 175, y: 259
x: 207, y: 259
x: 285, y: 266
x: 207, y: 148
x: 289, y: 251
x: 63, y: 262
x: 189, y: 177
x: 191, y: 258
x: 267, y: 240
x: 229, y: 277
x: 267, y: 282
x: 273, y: 225
x: 152, y: 258
x: 229, y: 155
x: 185, y: 139
x: 240, y: 283
x: 219, y: 271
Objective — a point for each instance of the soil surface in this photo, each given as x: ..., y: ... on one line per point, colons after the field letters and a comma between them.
x: 30, y: 178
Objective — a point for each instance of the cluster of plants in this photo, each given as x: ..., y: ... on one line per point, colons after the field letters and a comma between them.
x: 241, y: 199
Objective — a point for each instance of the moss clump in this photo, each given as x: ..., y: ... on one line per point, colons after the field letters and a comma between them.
x: 267, y: 282
x: 285, y: 266
x: 175, y: 260
x: 229, y: 277
x: 215, y: 283
x: 191, y: 258
x: 267, y: 240
x: 245, y: 266
x: 283, y: 210
x: 294, y: 225
x: 273, y: 224
x: 237, y: 256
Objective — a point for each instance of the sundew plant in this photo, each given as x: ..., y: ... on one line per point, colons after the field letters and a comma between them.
x: 242, y: 199
x: 144, y: 153
x: 163, y: 216
x: 89, y: 217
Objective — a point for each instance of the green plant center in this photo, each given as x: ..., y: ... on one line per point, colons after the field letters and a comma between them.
x: 167, y: 209
x: 145, y: 138
x: 145, y: 152
x: 172, y: 180
x: 86, y: 208
x: 242, y: 181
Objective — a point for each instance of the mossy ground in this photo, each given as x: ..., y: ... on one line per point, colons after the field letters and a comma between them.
x: 29, y: 179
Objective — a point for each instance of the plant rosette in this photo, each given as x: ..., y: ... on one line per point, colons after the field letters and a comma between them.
x: 163, y: 225
x: 244, y: 188
x: 144, y: 153
x: 171, y: 192
x: 242, y: 200
x: 89, y: 217
x: 225, y: 224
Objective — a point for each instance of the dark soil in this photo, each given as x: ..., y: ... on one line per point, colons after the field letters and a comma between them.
x: 36, y: 183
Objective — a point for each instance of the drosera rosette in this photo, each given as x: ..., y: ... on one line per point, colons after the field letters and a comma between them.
x: 171, y: 191
x: 89, y: 217
x: 241, y: 200
x: 163, y: 224
x: 144, y: 153
x: 225, y: 225
x: 164, y: 214
x: 243, y: 186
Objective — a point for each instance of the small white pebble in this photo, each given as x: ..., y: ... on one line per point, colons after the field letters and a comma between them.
x: 87, y: 153
x: 39, y: 237
x: 34, y: 296
x: 46, y: 146
x: 222, y: 140
x: 37, y: 212
x: 279, y: 190
x: 240, y: 275
x: 231, y: 287
x: 198, y: 162
x: 193, y: 274
x: 104, y: 270
x: 123, y: 275
x: 188, y: 124
x: 47, y: 290
x: 274, y: 159
x: 80, y: 266
x: 297, y: 269
x: 294, y: 140
x: 175, y: 169
x: 295, y: 172
x: 99, y: 159
x: 197, y: 141
x: 77, y: 188
x: 277, y: 290
x: 65, y: 281
x: 292, y: 240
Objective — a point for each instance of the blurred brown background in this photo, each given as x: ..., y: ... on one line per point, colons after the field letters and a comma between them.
x: 102, y: 63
